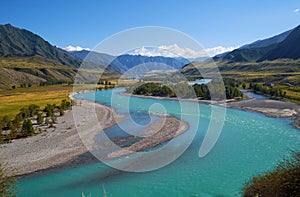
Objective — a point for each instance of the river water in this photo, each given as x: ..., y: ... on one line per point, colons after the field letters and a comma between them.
x: 250, y: 143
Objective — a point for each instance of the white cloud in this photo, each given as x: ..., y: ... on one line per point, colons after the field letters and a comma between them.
x: 75, y: 48
x: 176, y: 51
x: 296, y: 10
x: 219, y: 49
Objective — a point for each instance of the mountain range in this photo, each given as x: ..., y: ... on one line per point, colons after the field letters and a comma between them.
x: 27, y: 58
x: 272, y: 60
x: 131, y: 64
x: 285, y: 45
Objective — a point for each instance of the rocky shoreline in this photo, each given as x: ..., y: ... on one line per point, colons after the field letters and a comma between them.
x: 271, y: 108
x: 268, y: 107
x: 62, y: 147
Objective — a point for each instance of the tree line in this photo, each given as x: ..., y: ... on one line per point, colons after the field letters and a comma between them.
x: 21, y: 125
x: 183, y: 90
x: 267, y: 90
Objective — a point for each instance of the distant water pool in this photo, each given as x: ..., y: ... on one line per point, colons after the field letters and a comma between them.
x: 250, y: 143
x: 258, y: 96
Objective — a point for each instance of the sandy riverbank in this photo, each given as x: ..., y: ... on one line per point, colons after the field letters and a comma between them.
x: 62, y: 147
x: 50, y: 148
x: 271, y: 108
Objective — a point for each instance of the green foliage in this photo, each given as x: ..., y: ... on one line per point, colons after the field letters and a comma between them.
x: 231, y: 82
x: 183, y: 90
x: 153, y: 89
x: 282, y: 181
x: 40, y: 119
x: 33, y: 109
x: 24, y: 112
x: 27, y: 128
x: 65, y: 104
x: 18, y: 119
x: 233, y: 92
x: 267, y: 90
x: 6, y: 185
x: 49, y: 109
x: 19, y: 126
x: 5, y: 122
x: 202, y: 91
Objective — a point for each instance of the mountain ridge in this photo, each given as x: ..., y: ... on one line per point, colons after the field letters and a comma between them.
x: 288, y: 48
x: 16, y: 42
x: 277, y: 47
x: 126, y: 63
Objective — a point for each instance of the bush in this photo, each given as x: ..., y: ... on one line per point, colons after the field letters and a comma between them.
x: 49, y: 109
x: 6, y: 185
x: 40, y: 119
x: 27, y: 128
x: 283, y: 180
x: 33, y: 109
x: 5, y: 122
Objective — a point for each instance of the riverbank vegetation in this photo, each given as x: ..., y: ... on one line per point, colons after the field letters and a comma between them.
x: 30, y: 120
x: 6, y: 185
x: 182, y: 90
x: 282, y: 181
x: 291, y: 93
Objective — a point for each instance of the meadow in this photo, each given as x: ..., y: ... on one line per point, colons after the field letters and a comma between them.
x: 11, y: 101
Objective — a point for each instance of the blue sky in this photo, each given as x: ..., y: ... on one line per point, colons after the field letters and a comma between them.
x: 212, y: 23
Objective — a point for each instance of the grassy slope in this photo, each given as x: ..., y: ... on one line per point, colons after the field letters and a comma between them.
x: 36, y: 69
x: 33, y: 70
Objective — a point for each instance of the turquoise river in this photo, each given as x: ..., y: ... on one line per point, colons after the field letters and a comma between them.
x: 250, y: 143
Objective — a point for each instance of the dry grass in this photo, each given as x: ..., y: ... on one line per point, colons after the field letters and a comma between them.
x: 11, y: 101
x: 30, y: 62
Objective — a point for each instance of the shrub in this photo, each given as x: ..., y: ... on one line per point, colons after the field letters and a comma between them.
x: 33, y: 109
x: 5, y: 122
x: 6, y: 184
x: 283, y: 180
x: 27, y: 128
x: 49, y: 109
x: 40, y: 119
